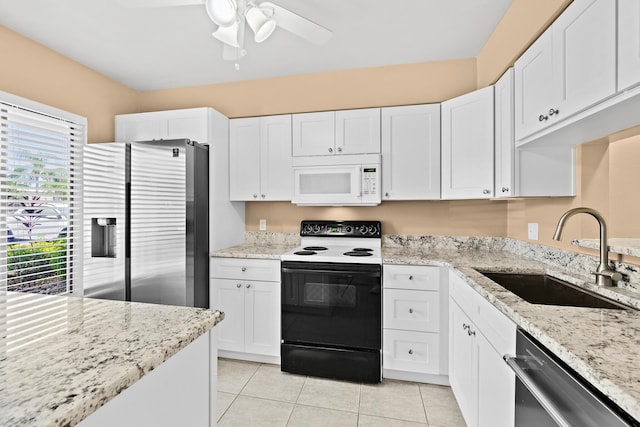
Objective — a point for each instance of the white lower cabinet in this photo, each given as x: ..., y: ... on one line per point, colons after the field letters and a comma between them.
x: 414, y: 323
x: 251, y: 327
x: 481, y: 381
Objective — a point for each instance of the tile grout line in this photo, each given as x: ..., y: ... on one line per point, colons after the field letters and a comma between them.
x: 296, y: 401
x: 424, y: 407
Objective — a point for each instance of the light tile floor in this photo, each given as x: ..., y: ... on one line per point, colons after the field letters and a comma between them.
x: 254, y: 394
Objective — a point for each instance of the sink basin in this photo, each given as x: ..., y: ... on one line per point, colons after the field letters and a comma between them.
x: 547, y: 290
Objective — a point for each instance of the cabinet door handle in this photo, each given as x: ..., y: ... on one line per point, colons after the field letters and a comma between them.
x: 330, y: 150
x: 339, y: 149
x: 239, y: 285
x: 470, y: 332
x: 386, y: 194
x: 255, y: 196
x: 505, y: 189
x: 263, y: 196
x: 485, y: 191
x: 465, y: 326
x: 554, y: 112
x: 410, y: 351
x: 411, y: 310
x: 248, y: 285
x: 542, y: 118
x: 244, y: 269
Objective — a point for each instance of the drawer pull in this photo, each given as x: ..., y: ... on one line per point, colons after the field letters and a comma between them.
x: 248, y: 285
x: 239, y: 285
x: 410, y: 277
x: 244, y: 269
x: 410, y: 351
x: 411, y: 310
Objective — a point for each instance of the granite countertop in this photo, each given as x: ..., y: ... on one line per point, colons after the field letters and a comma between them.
x: 252, y: 250
x: 89, y: 352
x: 601, y: 345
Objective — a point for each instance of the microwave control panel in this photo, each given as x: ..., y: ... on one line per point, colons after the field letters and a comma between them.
x: 370, y: 182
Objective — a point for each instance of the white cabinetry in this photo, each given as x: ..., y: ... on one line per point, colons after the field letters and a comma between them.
x: 467, y: 146
x: 569, y: 68
x: 260, y: 158
x: 480, y: 335
x: 415, y: 323
x: 628, y: 43
x: 206, y: 126
x: 248, y: 292
x: 411, y: 152
x: 527, y: 171
x: 339, y: 132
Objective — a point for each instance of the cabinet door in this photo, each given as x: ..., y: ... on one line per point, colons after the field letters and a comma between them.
x: 358, y: 131
x: 190, y: 123
x: 584, y: 50
x: 533, y: 74
x: 228, y: 296
x: 314, y: 134
x: 628, y: 43
x: 262, y: 324
x: 467, y: 146
x: 496, y: 387
x: 137, y: 127
x: 275, y: 153
x: 462, y: 363
x: 504, y: 138
x: 411, y: 152
x: 244, y: 159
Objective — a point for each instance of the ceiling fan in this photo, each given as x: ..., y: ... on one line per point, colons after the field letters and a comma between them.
x: 232, y: 17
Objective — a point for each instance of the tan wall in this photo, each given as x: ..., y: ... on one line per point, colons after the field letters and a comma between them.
x: 42, y: 75
x: 381, y: 86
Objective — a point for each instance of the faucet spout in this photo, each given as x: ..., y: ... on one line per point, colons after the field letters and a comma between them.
x: 605, y: 275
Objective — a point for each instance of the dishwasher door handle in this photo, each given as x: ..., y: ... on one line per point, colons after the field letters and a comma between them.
x: 540, y: 396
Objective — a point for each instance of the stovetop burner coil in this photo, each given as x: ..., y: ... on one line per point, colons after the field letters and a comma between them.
x: 357, y: 253
x: 305, y: 253
x: 314, y: 248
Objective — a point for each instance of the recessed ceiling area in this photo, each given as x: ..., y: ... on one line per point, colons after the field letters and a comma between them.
x: 167, y: 47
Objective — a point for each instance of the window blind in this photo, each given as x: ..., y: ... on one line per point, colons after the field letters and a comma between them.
x: 40, y: 219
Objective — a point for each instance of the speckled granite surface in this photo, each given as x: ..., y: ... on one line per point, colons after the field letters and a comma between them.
x: 601, y: 345
x: 93, y: 349
x: 261, y: 245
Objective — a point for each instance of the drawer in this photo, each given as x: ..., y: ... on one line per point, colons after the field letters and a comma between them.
x: 266, y: 270
x: 411, y: 310
x: 411, y: 351
x: 412, y: 277
x: 497, y: 328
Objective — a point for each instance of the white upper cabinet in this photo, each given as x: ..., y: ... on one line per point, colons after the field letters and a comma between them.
x: 173, y: 124
x: 628, y: 43
x: 569, y: 68
x: 358, y: 131
x: 260, y: 158
x: 337, y: 132
x: 504, y: 136
x: 314, y: 134
x: 467, y: 146
x: 411, y: 152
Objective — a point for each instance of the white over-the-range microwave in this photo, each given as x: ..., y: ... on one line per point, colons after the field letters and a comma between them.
x: 338, y: 180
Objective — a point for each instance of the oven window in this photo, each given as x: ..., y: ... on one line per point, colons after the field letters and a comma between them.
x: 329, y: 295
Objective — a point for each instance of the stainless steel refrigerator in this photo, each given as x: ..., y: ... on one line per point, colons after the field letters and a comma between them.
x: 146, y: 222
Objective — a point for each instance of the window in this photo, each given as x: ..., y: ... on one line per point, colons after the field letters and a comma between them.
x: 40, y: 223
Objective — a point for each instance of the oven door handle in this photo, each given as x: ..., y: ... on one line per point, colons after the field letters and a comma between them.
x: 350, y: 273
x: 529, y: 383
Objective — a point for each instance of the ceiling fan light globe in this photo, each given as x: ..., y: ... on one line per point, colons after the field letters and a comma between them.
x: 261, y: 25
x: 228, y: 35
x: 222, y: 12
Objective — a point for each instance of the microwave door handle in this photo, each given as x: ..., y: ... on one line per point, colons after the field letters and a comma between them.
x: 360, y: 178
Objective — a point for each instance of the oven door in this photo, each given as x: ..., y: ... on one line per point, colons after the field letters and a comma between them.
x: 332, y: 305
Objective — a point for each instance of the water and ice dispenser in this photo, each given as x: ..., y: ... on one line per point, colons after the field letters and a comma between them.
x: 103, y: 237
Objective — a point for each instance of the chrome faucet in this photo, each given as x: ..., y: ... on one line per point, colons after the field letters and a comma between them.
x: 605, y: 276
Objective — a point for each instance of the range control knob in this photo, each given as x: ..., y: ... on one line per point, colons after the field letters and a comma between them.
x: 372, y: 229
x: 348, y: 229
x: 316, y: 228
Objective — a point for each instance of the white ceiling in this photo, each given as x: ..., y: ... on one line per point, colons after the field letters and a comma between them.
x: 159, y: 48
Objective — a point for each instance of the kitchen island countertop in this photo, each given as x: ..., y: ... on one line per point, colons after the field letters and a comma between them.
x: 61, y: 364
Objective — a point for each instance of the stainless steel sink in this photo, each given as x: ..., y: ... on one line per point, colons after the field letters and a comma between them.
x: 548, y: 290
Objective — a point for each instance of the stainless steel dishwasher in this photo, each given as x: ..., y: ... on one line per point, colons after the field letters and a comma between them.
x: 549, y: 394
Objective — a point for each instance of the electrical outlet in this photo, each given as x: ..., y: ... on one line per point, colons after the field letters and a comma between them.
x: 263, y: 225
x: 532, y: 231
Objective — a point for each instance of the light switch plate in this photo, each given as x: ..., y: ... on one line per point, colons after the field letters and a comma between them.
x: 532, y: 231
x: 263, y: 225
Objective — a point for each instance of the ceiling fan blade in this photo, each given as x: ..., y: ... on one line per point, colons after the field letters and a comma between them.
x: 141, y: 4
x: 298, y: 25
